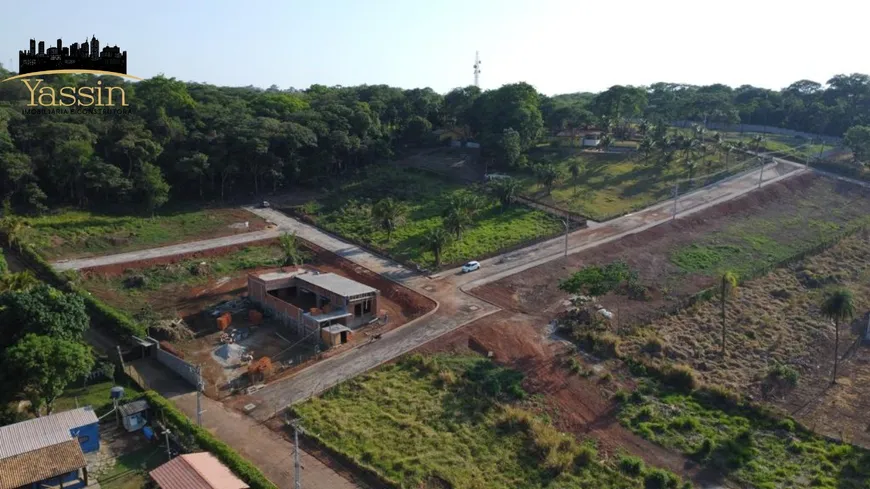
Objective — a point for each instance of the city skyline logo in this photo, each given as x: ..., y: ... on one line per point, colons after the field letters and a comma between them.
x: 84, y: 58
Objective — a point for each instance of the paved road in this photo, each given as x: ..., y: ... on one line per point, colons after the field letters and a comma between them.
x: 448, y: 286
x: 266, y: 449
x: 454, y: 307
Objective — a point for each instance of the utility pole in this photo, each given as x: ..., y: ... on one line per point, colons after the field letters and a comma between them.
x: 761, y: 172
x: 168, y: 451
x: 199, y: 386
x: 676, y: 196
x: 567, y: 224
x: 121, y: 359
x: 298, y: 467
x: 477, y: 68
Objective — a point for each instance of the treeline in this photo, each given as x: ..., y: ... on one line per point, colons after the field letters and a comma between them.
x: 194, y: 141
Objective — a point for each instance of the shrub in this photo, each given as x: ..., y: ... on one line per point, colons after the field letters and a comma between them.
x: 654, y: 345
x: 784, y: 373
x: 605, y: 345
x: 660, y: 479
x: 680, y: 377
x: 719, y: 396
x: 705, y: 449
x: 446, y: 378
x: 585, y: 455
x: 206, y: 441
x: 630, y: 465
x: 786, y: 424
x: 620, y: 396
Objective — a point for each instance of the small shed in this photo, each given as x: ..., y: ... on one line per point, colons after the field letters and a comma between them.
x: 336, y: 334
x: 134, y: 414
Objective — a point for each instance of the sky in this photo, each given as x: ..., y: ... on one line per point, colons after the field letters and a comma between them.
x: 559, y: 46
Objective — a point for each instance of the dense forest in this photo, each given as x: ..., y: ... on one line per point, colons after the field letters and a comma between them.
x: 189, y: 141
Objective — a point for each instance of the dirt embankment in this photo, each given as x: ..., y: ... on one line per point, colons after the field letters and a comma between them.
x: 575, y: 404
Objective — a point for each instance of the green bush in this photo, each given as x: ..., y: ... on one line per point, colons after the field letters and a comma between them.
x: 241, y: 467
x: 680, y: 377
x: 784, y: 373
x: 660, y: 479
x: 630, y: 465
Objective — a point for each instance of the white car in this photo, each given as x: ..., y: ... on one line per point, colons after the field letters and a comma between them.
x: 470, y: 266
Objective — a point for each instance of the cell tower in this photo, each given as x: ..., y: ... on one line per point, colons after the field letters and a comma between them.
x: 477, y: 68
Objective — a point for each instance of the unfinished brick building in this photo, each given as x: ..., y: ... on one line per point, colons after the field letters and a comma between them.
x: 311, y: 302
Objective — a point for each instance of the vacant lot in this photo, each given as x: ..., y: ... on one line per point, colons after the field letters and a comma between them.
x: 609, y: 184
x: 443, y: 421
x: 680, y: 258
x: 775, y: 330
x: 347, y: 211
x: 756, y: 450
x: 78, y: 234
x: 182, y: 287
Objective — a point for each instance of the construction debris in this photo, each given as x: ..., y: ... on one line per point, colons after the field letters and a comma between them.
x: 177, y: 329
x: 229, y: 355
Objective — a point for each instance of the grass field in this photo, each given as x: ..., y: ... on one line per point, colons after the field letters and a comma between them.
x: 163, y: 286
x: 758, y: 241
x: 76, y: 234
x: 131, y: 469
x: 756, y: 450
x: 425, y: 421
x: 780, y: 348
x: 346, y: 211
x: 611, y: 184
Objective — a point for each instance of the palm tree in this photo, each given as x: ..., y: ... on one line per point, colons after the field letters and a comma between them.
x: 18, y: 282
x: 605, y: 141
x: 388, y: 215
x: 575, y: 174
x: 548, y: 176
x: 466, y: 201
x: 606, y: 125
x: 689, y: 147
x: 756, y: 142
x: 290, y: 246
x: 456, y: 219
x: 699, y: 132
x: 643, y: 127
x: 691, y: 166
x: 11, y: 225
x: 838, y: 306
x: 729, y: 285
x: 728, y: 149
x: 646, y: 147
x: 506, y: 190
x: 436, y: 239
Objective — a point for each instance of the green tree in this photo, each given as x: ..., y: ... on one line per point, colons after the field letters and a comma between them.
x: 510, y: 147
x: 857, y: 139
x: 575, y: 169
x: 505, y: 190
x: 548, y: 176
x: 756, y: 142
x: 436, y: 239
x: 22, y: 281
x: 292, y: 249
x: 456, y: 219
x: 11, y: 227
x: 152, y: 187
x: 726, y: 289
x: 388, y: 215
x: 45, y: 366
x: 646, y: 147
x: 596, y: 281
x: 42, y: 310
x: 605, y: 141
x: 838, y: 306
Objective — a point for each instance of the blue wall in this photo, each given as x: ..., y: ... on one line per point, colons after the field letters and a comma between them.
x: 67, y: 479
x: 89, y: 437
